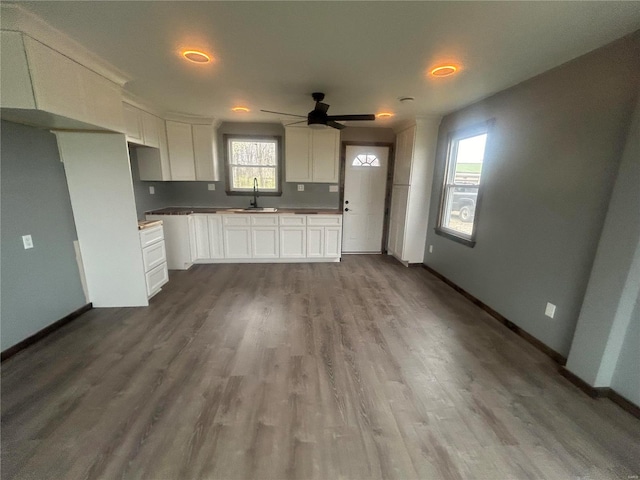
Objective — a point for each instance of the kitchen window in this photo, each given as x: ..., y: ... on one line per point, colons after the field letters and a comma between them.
x: 462, y: 180
x: 250, y: 157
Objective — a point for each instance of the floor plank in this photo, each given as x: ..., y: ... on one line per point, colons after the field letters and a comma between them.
x: 362, y: 369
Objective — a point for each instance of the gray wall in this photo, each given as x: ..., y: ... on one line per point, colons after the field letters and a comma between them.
x: 606, y: 317
x: 547, y: 180
x: 197, y: 194
x: 41, y: 285
x: 626, y: 379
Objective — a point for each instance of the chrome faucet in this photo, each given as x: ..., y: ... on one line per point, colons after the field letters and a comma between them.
x: 254, y: 203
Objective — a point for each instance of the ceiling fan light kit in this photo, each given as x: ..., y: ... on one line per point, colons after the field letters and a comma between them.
x: 318, y: 118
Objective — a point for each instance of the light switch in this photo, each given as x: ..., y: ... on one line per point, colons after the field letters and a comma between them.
x: 211, y: 186
x: 27, y: 241
x: 301, y: 188
x: 333, y: 188
x: 152, y: 190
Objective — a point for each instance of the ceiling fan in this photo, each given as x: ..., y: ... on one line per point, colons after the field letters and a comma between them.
x: 317, y: 118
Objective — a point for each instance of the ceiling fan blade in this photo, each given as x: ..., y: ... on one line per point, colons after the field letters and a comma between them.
x: 323, y: 107
x: 282, y: 113
x: 346, y: 118
x: 295, y: 123
x: 337, y: 125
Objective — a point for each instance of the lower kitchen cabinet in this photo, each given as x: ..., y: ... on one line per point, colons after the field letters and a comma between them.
x: 208, y: 236
x: 154, y: 259
x: 230, y: 238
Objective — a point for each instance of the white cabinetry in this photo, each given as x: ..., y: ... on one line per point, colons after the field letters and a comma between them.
x: 178, y: 233
x: 293, y: 236
x: 312, y: 156
x: 236, y: 232
x: 154, y: 258
x: 264, y: 236
x: 49, y: 89
x: 192, y: 151
x: 180, y: 143
x: 141, y: 127
x: 411, y: 193
x: 208, y: 236
x: 324, y: 236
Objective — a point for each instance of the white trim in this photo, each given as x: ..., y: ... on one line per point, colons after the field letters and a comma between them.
x: 268, y: 260
x: 15, y: 18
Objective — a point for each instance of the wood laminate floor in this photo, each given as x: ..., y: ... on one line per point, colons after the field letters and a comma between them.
x: 358, y: 370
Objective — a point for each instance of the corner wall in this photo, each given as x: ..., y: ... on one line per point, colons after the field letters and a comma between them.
x: 41, y: 285
x: 557, y: 144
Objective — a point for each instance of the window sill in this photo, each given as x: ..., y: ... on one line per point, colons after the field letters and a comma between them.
x: 456, y: 238
x: 250, y: 194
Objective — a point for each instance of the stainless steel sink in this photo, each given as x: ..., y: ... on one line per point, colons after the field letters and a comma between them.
x: 260, y: 209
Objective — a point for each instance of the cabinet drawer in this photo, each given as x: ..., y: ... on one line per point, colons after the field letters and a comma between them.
x: 264, y: 220
x: 156, y: 278
x: 293, y: 220
x: 150, y: 236
x: 154, y: 255
x: 324, y: 220
x: 236, y: 220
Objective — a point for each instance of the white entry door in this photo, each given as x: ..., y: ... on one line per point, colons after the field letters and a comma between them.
x: 365, y: 181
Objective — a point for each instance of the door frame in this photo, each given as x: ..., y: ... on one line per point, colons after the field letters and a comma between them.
x: 387, y: 195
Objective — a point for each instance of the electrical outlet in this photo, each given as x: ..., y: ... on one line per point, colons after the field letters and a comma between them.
x: 333, y: 188
x: 211, y: 186
x: 550, y: 310
x: 152, y: 190
x: 301, y: 188
x: 27, y: 241
x: 430, y: 248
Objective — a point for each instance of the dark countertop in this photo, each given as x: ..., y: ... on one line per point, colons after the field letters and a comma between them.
x: 190, y: 210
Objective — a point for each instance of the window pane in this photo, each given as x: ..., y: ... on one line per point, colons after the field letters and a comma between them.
x: 242, y: 178
x: 253, y: 152
x: 468, y: 160
x: 367, y: 160
x: 459, y: 208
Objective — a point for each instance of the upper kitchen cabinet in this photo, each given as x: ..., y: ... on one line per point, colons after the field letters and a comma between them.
x: 312, y: 156
x: 192, y: 151
x: 142, y: 128
x: 42, y: 87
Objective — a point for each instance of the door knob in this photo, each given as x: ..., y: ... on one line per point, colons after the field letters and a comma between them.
x: 346, y: 209
x: 347, y: 202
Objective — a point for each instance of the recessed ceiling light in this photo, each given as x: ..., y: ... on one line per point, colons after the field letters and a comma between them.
x: 444, y: 70
x: 385, y: 114
x: 240, y: 109
x: 406, y: 99
x: 196, y: 56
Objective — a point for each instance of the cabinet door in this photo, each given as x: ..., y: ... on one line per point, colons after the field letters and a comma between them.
x: 325, y: 146
x: 297, y: 153
x: 201, y: 226
x: 180, y: 145
x: 204, y: 151
x: 150, y: 129
x: 265, y: 242
x: 193, y: 247
x: 293, y: 242
x: 332, y: 241
x: 215, y: 236
x: 399, y: 199
x: 315, y: 242
x: 404, y: 156
x: 133, y: 123
x: 237, y: 241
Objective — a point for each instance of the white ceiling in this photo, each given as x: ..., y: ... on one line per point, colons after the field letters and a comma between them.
x: 363, y: 55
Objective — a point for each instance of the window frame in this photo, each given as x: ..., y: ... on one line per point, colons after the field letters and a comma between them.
x: 226, y: 138
x: 453, y: 139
